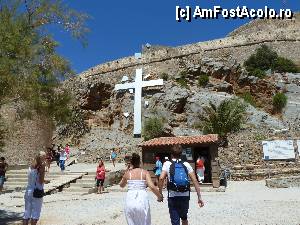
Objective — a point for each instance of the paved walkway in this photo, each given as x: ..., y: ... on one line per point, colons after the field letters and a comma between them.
x: 246, y: 203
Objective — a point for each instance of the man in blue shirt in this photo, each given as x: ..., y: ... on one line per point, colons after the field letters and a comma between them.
x: 158, y: 168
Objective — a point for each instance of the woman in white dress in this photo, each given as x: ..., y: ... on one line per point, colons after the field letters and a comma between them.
x: 36, y: 176
x: 137, y: 209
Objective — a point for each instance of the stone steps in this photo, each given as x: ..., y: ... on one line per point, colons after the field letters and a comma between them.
x: 90, y: 176
x: 57, y: 180
x: 25, y: 176
x: 80, y: 190
x: 83, y: 181
x: 8, y: 183
x: 11, y: 187
x: 90, y: 183
x: 259, y: 174
x: 21, y: 172
x: 19, y: 179
x: 84, y: 185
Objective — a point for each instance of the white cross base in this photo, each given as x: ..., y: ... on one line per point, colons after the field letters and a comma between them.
x: 138, y: 85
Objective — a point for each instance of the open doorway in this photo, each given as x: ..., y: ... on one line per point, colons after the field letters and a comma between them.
x: 162, y: 156
x: 204, y: 153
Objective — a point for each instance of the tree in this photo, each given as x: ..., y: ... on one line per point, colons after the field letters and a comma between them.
x: 223, y: 119
x: 31, y: 70
x: 153, y: 127
x: 264, y: 59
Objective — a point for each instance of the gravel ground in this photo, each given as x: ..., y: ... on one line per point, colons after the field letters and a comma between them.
x: 243, y: 203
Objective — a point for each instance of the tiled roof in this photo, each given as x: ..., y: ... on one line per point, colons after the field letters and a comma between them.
x: 181, y: 140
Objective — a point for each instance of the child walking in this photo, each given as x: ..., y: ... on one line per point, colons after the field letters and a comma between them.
x: 100, y: 176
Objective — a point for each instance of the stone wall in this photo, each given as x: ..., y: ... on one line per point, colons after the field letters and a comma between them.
x: 25, y: 137
x: 244, y: 155
x: 245, y: 148
x: 281, y: 35
x: 283, y: 182
x: 265, y: 25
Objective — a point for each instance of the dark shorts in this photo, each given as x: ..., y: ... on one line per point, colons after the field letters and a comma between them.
x: 178, y: 209
x: 99, y: 182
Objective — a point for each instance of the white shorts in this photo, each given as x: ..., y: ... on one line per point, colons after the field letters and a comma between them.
x: 200, y: 174
x: 33, y: 206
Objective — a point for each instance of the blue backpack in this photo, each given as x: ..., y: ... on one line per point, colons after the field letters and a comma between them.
x: 179, y: 178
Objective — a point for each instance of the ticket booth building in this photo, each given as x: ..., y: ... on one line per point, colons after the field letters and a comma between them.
x: 203, y: 146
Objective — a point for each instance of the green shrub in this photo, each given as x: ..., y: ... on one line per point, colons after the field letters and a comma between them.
x: 257, y: 73
x: 260, y: 137
x: 279, y: 101
x: 182, y: 82
x: 164, y: 76
x: 248, y: 98
x: 183, y: 74
x: 203, y: 80
x: 153, y: 127
x: 262, y: 59
x: 106, y: 102
x: 285, y: 65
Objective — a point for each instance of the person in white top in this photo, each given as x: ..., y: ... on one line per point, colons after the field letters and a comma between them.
x: 36, y: 179
x: 137, y: 209
x: 179, y: 193
x: 62, y: 159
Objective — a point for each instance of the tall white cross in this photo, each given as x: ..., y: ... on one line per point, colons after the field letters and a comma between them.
x: 138, y: 85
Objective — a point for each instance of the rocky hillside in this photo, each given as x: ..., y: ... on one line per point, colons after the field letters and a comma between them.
x: 181, y: 99
x: 105, y: 124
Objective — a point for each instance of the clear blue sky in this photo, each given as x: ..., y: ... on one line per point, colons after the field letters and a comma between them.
x: 119, y: 28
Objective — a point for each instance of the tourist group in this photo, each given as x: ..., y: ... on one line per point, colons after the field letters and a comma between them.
x: 173, y: 174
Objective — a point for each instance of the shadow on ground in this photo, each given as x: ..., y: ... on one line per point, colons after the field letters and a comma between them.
x: 9, y: 218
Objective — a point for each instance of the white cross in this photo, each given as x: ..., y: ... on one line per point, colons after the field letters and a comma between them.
x: 138, y: 85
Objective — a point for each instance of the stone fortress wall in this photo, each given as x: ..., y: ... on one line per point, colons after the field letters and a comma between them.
x: 282, y: 35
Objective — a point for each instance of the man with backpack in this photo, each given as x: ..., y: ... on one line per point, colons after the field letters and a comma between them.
x: 178, y: 173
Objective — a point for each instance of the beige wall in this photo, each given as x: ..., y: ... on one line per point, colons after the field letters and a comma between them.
x: 25, y: 137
